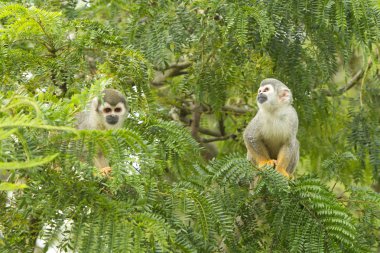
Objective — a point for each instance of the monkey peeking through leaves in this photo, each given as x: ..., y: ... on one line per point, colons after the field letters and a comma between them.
x: 270, y: 137
x: 108, y: 111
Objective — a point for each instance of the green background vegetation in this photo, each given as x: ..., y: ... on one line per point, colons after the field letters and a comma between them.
x: 180, y: 179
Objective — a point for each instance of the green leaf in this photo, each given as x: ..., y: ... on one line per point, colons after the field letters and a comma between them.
x: 27, y: 164
x: 5, y: 186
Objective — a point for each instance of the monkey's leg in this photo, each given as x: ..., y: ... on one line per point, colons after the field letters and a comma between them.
x: 101, y: 163
x: 286, y: 159
x: 283, y: 171
x: 294, y: 159
x: 258, y: 153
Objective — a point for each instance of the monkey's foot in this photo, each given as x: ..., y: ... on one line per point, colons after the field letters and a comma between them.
x: 272, y: 163
x: 105, y: 171
x: 283, y: 172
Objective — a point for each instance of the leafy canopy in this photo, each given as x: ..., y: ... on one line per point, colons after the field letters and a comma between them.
x: 180, y: 181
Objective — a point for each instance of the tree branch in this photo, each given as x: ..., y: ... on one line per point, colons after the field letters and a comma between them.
x: 209, y: 132
x: 354, y: 81
x: 176, y: 115
x: 197, y: 111
x: 235, y: 109
x: 176, y: 69
x: 222, y: 128
x: 200, y: 129
x: 221, y: 138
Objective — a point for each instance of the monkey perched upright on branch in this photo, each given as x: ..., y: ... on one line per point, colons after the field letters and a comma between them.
x: 108, y: 111
x: 270, y: 137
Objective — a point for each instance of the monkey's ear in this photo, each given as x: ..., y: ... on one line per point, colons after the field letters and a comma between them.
x: 95, y: 105
x: 285, y: 96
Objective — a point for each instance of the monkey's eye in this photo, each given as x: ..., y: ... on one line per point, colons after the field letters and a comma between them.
x: 117, y: 109
x: 107, y: 110
x: 266, y: 89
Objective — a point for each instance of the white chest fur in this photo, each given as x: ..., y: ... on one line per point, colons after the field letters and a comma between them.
x: 276, y: 126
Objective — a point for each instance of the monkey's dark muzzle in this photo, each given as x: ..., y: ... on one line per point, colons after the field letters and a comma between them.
x: 112, y: 119
x: 261, y: 98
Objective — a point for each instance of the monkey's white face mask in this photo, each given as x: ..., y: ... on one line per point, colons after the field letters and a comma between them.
x: 111, y: 116
x: 269, y: 98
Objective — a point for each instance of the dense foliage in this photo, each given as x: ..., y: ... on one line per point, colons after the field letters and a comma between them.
x: 180, y: 181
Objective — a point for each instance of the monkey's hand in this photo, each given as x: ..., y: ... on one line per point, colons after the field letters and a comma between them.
x: 274, y: 163
x: 105, y: 171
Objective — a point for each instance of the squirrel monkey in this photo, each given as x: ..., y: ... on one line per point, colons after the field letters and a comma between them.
x: 108, y: 111
x: 270, y: 137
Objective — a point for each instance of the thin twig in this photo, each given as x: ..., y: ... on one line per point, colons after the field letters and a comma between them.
x: 172, y: 71
x: 354, y: 81
x: 221, y: 138
x: 235, y: 109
